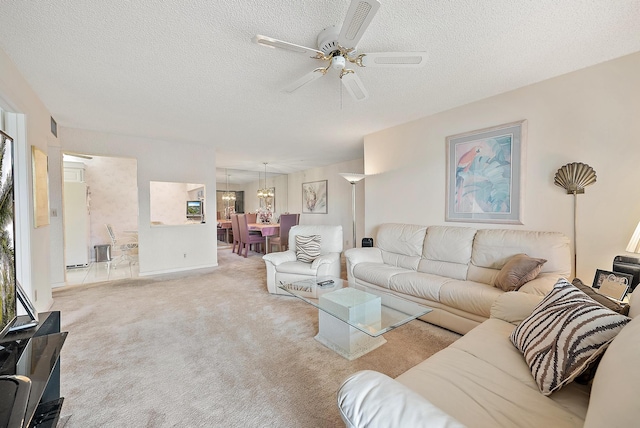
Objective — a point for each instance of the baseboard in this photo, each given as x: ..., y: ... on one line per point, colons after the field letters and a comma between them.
x: 184, y: 269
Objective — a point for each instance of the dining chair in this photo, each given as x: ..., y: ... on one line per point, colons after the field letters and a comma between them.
x: 124, y: 245
x: 235, y: 231
x: 252, y: 217
x: 287, y: 221
x: 246, y: 239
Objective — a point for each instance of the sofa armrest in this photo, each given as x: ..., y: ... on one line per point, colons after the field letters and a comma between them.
x: 361, y: 255
x: 514, y: 306
x: 281, y: 257
x: 371, y: 399
x: 541, y: 285
x: 325, y: 259
x: 354, y: 256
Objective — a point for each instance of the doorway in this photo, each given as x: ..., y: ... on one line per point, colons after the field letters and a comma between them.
x: 99, y: 191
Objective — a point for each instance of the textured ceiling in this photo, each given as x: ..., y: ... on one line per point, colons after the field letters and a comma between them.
x: 186, y: 71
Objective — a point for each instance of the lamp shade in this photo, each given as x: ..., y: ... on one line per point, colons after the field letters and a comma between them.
x: 352, y: 178
x: 634, y: 242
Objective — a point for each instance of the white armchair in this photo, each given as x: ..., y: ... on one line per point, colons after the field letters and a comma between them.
x: 283, y: 267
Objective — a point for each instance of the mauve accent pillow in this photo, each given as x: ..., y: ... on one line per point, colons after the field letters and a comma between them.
x: 519, y: 270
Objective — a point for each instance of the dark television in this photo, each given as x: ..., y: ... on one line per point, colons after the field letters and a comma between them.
x: 194, y: 209
x: 8, y: 312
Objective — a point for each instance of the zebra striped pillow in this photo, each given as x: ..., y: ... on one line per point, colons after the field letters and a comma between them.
x: 307, y: 247
x: 565, y: 332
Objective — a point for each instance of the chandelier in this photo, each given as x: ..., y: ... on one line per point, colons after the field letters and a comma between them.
x: 265, y: 192
x: 228, y: 196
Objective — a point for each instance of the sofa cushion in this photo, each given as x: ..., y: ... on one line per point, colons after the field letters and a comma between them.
x: 297, y: 268
x: 519, y: 270
x: 419, y: 284
x: 308, y: 247
x: 401, y: 244
x: 614, y: 394
x: 492, y: 248
x: 447, y: 251
x: 480, y: 394
x: 404, y: 239
x: 376, y: 273
x: 513, y: 306
x: 565, y: 332
x: 469, y: 296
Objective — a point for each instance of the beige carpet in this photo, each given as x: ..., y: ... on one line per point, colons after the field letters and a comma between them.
x: 210, y: 349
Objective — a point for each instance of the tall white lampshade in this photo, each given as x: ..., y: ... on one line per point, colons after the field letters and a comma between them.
x: 634, y: 242
x: 353, y: 179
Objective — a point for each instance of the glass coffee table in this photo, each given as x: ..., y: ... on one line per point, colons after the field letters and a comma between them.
x: 352, y: 318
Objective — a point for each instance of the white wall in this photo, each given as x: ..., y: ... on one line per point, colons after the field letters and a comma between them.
x: 338, y: 198
x: 161, y: 249
x: 590, y: 116
x: 113, y: 192
x: 17, y: 96
x: 168, y: 202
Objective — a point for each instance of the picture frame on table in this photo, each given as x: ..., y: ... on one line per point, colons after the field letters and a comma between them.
x: 485, y: 174
x: 612, y: 284
x: 314, y: 197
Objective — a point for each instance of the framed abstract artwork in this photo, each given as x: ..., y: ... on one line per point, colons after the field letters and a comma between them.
x: 314, y: 197
x: 485, y: 170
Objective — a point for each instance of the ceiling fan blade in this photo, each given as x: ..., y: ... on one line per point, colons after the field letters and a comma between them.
x: 275, y: 43
x: 358, y: 18
x: 304, y: 80
x: 394, y: 59
x: 354, y: 86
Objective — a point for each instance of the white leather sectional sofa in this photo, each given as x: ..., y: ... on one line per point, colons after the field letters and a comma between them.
x: 482, y: 380
x: 452, y: 269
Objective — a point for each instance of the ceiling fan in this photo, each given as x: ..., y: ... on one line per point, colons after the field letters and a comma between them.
x: 337, y: 46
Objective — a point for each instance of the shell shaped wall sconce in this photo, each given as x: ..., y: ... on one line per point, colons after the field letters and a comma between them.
x: 574, y: 177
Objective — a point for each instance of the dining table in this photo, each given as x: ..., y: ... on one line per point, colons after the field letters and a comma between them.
x: 226, y: 225
x: 267, y: 230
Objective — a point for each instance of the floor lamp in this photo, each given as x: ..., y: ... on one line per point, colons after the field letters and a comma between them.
x: 353, y: 179
x: 574, y: 177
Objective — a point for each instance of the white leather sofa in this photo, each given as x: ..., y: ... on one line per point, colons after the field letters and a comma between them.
x: 283, y: 267
x: 482, y: 380
x: 452, y: 269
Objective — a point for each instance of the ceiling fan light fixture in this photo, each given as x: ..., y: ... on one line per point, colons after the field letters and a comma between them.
x: 338, y: 62
x: 337, y: 45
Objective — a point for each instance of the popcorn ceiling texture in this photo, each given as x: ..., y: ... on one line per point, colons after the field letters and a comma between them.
x: 187, y: 71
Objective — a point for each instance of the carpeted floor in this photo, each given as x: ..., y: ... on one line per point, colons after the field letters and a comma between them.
x: 210, y: 349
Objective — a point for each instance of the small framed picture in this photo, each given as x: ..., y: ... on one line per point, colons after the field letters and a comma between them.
x: 612, y: 284
x: 314, y: 197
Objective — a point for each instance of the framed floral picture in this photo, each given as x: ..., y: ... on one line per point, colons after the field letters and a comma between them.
x: 485, y: 170
x: 314, y: 197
